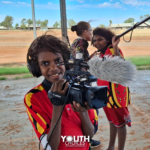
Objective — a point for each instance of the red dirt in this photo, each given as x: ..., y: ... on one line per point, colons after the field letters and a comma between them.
x: 14, y: 44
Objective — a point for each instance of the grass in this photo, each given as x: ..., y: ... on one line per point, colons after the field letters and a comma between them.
x: 17, y: 78
x: 140, y: 60
x: 3, y: 78
x: 11, y: 71
x: 24, y: 76
x: 27, y: 76
x: 143, y: 68
x: 142, y: 63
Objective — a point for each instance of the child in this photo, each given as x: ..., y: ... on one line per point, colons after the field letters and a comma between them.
x: 46, y: 57
x: 119, y: 97
x: 80, y: 45
x: 84, y: 32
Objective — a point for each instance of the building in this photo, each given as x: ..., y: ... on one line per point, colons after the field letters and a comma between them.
x: 29, y: 27
x: 129, y: 25
x: 3, y: 28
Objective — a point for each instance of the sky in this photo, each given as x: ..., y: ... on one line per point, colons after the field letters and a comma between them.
x: 99, y: 11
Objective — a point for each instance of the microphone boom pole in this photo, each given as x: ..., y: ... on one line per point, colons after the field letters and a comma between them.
x: 133, y: 27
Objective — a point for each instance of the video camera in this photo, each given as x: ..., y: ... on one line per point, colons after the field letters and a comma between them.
x: 80, y: 89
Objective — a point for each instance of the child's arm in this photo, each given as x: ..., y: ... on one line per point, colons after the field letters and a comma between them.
x: 55, y: 138
x: 93, y: 54
x: 115, y: 46
x: 87, y: 126
x: 81, y: 47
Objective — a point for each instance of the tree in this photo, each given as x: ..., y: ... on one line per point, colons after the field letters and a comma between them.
x: 56, y: 25
x: 60, y: 23
x: 71, y: 22
x: 130, y: 20
x: 23, y: 23
x: 145, y: 16
x: 102, y: 25
x: 8, y: 21
x: 110, y: 22
x: 29, y: 22
x: 16, y: 25
x: 44, y: 23
x: 38, y: 22
x: 141, y: 17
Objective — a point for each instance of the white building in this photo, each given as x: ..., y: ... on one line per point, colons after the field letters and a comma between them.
x: 129, y: 25
x: 3, y: 28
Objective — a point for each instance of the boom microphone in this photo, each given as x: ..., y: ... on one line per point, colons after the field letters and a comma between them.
x: 113, y: 69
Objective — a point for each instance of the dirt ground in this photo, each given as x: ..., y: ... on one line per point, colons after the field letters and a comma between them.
x: 14, y: 44
x: 16, y: 132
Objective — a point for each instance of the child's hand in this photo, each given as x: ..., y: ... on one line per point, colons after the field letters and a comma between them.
x: 77, y: 107
x: 115, y: 42
x: 57, y: 87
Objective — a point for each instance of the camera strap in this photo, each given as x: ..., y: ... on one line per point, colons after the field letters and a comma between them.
x: 56, y: 99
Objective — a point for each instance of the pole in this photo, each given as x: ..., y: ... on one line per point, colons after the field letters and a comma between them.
x: 33, y: 18
x: 133, y: 27
x: 63, y: 18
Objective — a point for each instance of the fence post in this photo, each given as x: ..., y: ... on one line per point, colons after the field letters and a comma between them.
x: 63, y: 18
x: 33, y: 18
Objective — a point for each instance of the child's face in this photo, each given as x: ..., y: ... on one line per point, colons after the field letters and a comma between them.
x: 89, y: 34
x: 99, y: 42
x: 49, y: 66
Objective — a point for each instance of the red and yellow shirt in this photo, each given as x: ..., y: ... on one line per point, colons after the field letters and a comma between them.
x: 118, y: 95
x: 39, y: 109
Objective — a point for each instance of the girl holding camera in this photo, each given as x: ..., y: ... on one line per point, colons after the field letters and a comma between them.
x: 46, y: 57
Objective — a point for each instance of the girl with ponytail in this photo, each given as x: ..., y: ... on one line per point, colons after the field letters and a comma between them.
x: 80, y: 45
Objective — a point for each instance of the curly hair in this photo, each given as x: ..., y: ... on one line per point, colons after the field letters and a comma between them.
x: 104, y: 32
x: 48, y: 43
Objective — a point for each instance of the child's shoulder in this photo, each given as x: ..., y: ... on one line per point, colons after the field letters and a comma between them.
x: 32, y: 95
x: 34, y: 90
x: 110, y: 51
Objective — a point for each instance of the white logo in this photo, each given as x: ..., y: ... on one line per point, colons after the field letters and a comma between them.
x: 75, y: 141
x: 57, y: 95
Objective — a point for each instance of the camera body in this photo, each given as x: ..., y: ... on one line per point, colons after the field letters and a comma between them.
x: 80, y: 90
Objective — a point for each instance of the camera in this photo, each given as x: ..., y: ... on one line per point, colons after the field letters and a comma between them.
x: 80, y: 89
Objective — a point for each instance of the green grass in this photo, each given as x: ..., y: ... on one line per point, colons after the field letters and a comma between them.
x: 140, y: 60
x: 11, y: 71
x: 17, y: 78
x: 3, y: 78
x: 27, y: 76
x: 24, y: 76
x: 143, y: 68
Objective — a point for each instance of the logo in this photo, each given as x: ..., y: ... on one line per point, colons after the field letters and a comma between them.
x: 57, y: 95
x: 127, y: 118
x: 75, y: 141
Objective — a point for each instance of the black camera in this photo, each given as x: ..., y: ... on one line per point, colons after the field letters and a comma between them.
x: 80, y: 89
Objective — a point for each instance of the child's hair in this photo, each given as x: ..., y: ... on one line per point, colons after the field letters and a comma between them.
x: 104, y: 32
x: 47, y: 43
x: 80, y: 27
